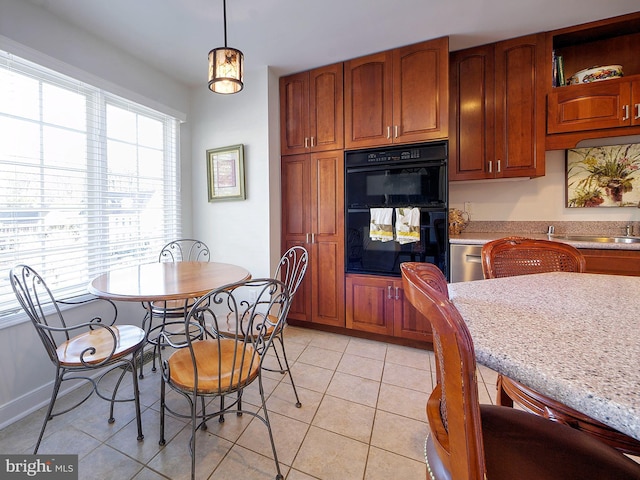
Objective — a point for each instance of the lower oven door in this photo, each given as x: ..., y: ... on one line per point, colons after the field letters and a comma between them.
x: 365, y: 255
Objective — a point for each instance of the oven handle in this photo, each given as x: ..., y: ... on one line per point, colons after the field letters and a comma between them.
x: 390, y: 166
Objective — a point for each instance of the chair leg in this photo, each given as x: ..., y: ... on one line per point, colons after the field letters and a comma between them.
x: 48, y: 416
x: 287, y: 369
x: 136, y: 397
x: 268, y: 424
x: 163, y: 389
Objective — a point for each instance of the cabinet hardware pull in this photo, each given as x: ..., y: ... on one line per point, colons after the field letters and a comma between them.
x: 388, y: 132
x: 637, y: 111
x: 307, y: 238
x: 397, y: 293
x: 313, y: 238
x: 395, y: 129
x: 490, y: 166
x: 625, y: 109
x: 306, y: 142
x: 498, y: 166
x: 312, y: 142
x: 389, y: 292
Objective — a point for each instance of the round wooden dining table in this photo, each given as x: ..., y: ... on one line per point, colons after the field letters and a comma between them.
x: 163, y: 284
x: 165, y: 281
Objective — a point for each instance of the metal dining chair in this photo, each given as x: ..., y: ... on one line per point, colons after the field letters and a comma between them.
x: 181, y: 250
x: 291, y: 270
x: 86, y: 351
x: 511, y: 256
x: 222, y: 365
x: 470, y: 441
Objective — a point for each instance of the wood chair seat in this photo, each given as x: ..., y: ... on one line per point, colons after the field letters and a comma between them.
x: 522, y: 446
x: 510, y: 391
x: 229, y: 374
x: 129, y: 338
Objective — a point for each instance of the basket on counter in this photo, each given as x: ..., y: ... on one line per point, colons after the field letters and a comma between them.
x: 458, y: 221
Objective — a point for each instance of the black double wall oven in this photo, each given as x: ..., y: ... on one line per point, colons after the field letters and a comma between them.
x: 404, y: 188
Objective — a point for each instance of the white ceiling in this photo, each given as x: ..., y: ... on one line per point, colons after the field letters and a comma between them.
x: 175, y: 36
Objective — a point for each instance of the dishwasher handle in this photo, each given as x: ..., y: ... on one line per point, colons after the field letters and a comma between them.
x: 469, y: 258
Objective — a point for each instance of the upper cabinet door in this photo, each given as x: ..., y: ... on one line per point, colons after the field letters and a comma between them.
x: 472, y: 113
x: 398, y: 96
x: 421, y: 91
x: 326, y: 108
x: 591, y: 106
x: 368, y: 101
x: 294, y: 113
x: 520, y: 106
x: 311, y: 111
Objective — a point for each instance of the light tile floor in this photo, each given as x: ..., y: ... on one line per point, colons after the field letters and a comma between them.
x: 362, y: 417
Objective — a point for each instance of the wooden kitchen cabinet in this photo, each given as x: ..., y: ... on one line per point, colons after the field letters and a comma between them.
x: 612, y: 262
x: 601, y: 109
x: 376, y: 304
x: 397, y: 96
x: 312, y: 110
x: 497, y: 103
x: 313, y: 216
x: 610, y: 104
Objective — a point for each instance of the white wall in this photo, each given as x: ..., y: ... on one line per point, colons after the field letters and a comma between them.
x: 535, y: 199
x: 242, y: 232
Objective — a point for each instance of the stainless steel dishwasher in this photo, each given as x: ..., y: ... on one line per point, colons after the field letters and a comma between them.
x: 466, y: 262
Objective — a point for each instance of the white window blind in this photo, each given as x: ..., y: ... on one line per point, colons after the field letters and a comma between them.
x: 88, y: 180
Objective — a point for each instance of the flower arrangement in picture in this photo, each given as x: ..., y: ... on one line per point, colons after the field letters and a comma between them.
x: 603, y: 176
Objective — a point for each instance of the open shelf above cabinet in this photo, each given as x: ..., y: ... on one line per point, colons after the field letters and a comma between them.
x: 600, y: 109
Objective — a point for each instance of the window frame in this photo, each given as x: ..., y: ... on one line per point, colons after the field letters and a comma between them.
x: 99, y: 260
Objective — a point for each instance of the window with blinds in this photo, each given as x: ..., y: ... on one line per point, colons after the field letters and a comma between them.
x: 88, y: 180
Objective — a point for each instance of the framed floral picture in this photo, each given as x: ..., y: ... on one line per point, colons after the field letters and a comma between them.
x: 607, y: 176
x: 225, y: 173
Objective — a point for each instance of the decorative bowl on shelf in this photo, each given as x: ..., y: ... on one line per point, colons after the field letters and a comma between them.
x: 596, y: 74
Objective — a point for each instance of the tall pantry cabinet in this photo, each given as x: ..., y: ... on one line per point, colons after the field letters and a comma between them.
x: 312, y: 166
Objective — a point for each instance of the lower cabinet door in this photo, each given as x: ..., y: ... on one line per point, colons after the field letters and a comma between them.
x: 370, y: 304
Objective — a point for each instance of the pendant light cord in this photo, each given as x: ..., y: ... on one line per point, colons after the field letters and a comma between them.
x: 224, y: 15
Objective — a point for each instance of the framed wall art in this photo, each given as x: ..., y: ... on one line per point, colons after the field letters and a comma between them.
x: 607, y: 176
x: 225, y: 173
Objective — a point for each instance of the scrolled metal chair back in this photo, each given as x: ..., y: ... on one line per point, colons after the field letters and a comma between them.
x: 185, y: 250
x: 292, y: 267
x: 39, y: 304
x: 258, y: 306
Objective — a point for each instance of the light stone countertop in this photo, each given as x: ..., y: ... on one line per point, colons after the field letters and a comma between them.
x: 481, y: 232
x: 573, y: 337
x: 480, y: 238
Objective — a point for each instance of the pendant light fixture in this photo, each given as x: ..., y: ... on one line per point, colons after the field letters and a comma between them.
x: 226, y: 65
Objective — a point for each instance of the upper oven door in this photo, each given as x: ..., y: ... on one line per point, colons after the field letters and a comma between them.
x: 397, y: 185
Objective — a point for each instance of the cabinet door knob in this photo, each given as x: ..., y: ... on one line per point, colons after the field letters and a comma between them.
x: 625, y: 109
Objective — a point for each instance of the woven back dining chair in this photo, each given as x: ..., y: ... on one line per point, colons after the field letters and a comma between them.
x: 469, y: 441
x: 86, y: 351
x: 220, y: 366
x: 511, y: 256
